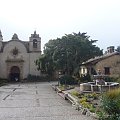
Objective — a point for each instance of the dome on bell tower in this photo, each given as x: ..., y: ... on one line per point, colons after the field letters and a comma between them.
x: 15, y: 37
x: 1, y: 37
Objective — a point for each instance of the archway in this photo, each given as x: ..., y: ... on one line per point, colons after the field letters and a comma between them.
x: 14, y: 74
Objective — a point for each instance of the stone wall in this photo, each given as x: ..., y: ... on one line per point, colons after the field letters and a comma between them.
x: 24, y: 60
x: 112, y: 62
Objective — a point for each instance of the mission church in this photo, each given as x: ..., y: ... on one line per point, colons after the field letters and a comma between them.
x: 17, y: 57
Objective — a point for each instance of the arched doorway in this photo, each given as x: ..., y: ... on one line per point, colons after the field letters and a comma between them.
x: 14, y: 74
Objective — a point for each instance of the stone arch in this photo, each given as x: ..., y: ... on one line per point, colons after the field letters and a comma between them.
x: 14, y: 74
x: 34, y: 43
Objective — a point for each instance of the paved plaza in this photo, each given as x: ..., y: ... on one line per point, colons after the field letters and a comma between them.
x: 35, y: 101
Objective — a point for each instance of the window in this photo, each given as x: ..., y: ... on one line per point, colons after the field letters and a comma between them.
x: 34, y: 43
x: 107, y: 70
x: 83, y: 70
x: 93, y: 72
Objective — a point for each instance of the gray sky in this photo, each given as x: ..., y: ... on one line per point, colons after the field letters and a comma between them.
x: 55, y: 18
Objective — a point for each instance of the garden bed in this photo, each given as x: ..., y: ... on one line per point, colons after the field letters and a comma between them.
x: 83, y: 102
x: 93, y: 104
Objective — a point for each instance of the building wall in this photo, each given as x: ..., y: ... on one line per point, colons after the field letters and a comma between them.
x: 8, y: 55
x: 33, y: 68
x: 3, y: 66
x: 113, y: 63
x: 24, y: 60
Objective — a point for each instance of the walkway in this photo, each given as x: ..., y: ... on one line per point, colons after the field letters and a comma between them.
x: 35, y: 101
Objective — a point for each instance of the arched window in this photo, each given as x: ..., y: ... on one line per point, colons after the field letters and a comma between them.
x: 34, y: 43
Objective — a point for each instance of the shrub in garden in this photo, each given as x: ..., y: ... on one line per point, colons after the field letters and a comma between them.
x: 92, y: 95
x: 111, y: 104
x: 67, y: 80
x: 84, y: 102
x: 85, y: 78
x: 3, y: 81
x: 110, y: 79
x: 118, y: 80
x: 75, y: 93
x: 34, y: 78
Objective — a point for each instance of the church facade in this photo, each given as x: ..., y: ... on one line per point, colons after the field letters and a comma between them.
x: 17, y: 57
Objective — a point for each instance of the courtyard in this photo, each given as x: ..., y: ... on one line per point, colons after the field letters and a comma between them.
x: 35, y: 101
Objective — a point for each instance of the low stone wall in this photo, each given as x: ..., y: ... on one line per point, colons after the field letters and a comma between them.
x: 77, y: 106
x: 74, y: 101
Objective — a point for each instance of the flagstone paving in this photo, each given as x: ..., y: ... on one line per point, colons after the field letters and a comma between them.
x: 35, y: 101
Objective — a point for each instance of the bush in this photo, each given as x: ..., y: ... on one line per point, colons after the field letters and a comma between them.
x: 75, y: 93
x: 111, y: 104
x: 34, y: 78
x: 118, y: 80
x: 85, y: 78
x: 3, y: 81
x: 86, y: 104
x: 67, y: 80
x: 110, y: 79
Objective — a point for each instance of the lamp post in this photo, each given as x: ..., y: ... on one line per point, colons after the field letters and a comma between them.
x: 59, y: 75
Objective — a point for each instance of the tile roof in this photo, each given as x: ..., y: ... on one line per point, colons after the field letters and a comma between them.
x: 98, y: 58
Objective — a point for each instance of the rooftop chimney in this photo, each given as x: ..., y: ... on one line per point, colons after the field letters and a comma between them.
x: 110, y: 49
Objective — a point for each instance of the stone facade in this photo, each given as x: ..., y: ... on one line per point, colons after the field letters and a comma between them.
x: 17, y: 57
x: 109, y: 64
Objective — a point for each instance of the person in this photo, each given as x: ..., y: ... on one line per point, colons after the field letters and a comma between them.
x: 16, y: 79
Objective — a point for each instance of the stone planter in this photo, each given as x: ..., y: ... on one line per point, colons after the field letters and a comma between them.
x: 85, y: 87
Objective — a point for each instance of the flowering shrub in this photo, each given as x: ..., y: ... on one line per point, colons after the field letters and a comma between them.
x: 75, y: 93
x: 111, y: 104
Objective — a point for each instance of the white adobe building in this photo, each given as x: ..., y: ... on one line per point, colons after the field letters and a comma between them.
x: 17, y: 57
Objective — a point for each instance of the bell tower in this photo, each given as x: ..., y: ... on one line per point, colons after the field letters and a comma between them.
x: 35, y: 43
x: 1, y: 39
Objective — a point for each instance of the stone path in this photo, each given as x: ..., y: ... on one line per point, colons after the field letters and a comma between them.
x: 35, y: 101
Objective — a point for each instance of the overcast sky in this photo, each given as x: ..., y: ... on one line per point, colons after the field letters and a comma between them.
x: 55, y: 18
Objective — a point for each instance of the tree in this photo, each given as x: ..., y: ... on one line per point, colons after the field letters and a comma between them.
x: 118, y: 49
x: 68, y: 52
